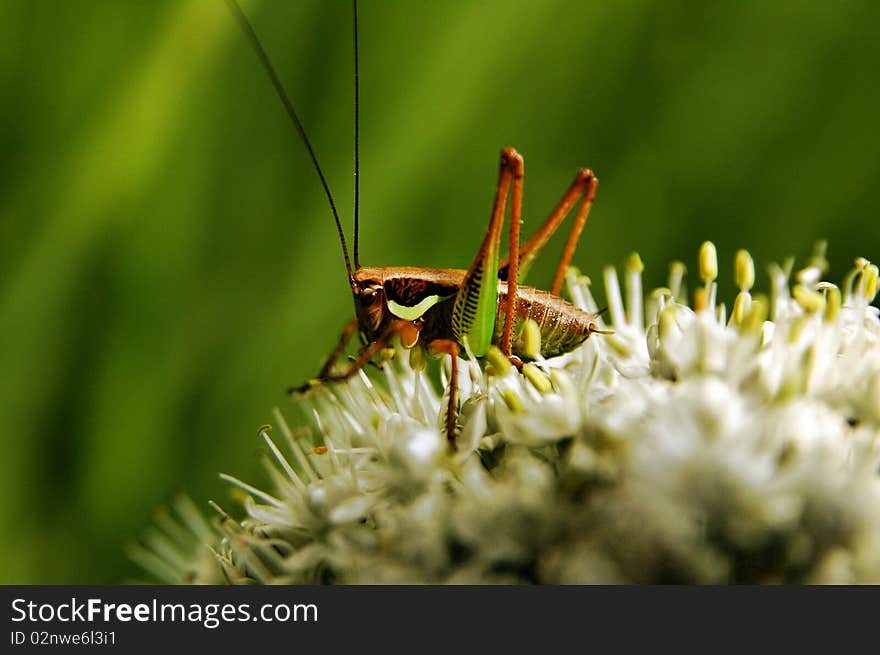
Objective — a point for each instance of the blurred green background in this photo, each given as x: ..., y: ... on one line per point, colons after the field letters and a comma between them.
x: 168, y: 265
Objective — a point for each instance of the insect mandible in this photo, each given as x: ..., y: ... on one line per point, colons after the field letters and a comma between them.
x: 451, y: 311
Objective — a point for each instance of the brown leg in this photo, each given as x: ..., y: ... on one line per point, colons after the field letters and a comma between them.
x: 574, y: 237
x: 515, y: 220
x: 344, y: 338
x: 407, y: 330
x: 476, y: 302
x: 584, y: 185
x: 449, y: 347
x: 364, y: 356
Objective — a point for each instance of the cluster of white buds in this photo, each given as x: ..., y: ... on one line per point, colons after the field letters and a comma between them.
x: 691, y: 445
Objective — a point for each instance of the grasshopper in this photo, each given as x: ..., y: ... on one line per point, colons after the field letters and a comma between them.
x: 451, y: 311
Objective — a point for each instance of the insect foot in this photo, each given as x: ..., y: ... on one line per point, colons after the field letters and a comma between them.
x: 304, y: 388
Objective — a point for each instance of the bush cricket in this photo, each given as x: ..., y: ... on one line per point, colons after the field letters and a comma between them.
x: 453, y: 311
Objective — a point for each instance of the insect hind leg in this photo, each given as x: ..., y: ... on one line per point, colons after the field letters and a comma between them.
x: 476, y: 302
x: 584, y: 185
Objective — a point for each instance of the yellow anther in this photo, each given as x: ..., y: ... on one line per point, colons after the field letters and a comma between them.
x: 861, y: 263
x: 417, y: 358
x: 740, y: 307
x: 755, y: 317
x: 744, y: 270
x: 797, y: 328
x: 498, y: 360
x: 810, y: 301
x: 832, y: 304
x: 634, y: 263
x: 537, y: 377
x: 385, y: 355
x: 677, y: 269
x: 667, y: 324
x: 530, y: 339
x: 240, y: 496
x: 849, y: 281
x: 708, y: 262
x: 871, y: 275
x: 513, y: 402
x: 487, y: 444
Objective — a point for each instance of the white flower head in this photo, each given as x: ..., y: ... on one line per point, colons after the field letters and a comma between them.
x: 690, y: 444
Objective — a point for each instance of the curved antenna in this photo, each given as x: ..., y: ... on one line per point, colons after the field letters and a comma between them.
x: 251, y: 35
x: 357, y: 261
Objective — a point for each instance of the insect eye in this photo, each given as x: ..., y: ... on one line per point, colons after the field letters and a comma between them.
x: 369, y: 296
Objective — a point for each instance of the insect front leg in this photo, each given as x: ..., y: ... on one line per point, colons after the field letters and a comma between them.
x: 347, y: 332
x: 365, y: 355
x: 408, y: 331
x: 584, y: 185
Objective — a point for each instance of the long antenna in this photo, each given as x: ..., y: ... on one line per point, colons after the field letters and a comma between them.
x: 251, y: 35
x: 357, y: 261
